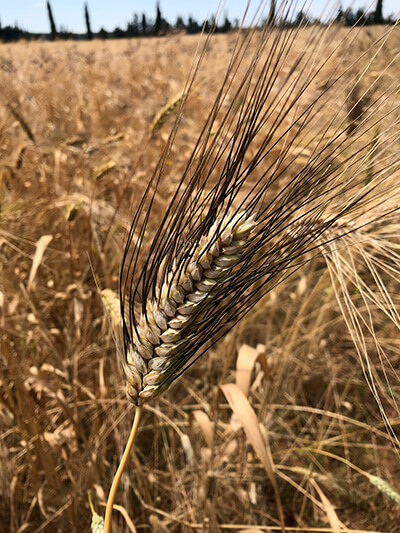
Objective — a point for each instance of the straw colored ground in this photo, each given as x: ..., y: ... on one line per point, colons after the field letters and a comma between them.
x: 75, y: 153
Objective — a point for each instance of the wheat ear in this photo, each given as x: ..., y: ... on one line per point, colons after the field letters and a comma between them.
x: 163, y: 332
x: 166, y: 111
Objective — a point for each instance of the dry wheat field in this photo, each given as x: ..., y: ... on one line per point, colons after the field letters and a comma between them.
x: 289, y: 422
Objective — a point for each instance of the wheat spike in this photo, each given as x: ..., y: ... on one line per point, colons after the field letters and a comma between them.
x: 163, y: 332
x: 97, y: 525
x: 111, y: 303
x: 166, y: 112
x: 384, y: 487
x: 24, y: 125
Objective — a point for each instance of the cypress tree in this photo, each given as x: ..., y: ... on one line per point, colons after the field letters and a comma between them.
x: 87, y: 20
x: 158, y: 22
x: 132, y: 29
x: 271, y: 14
x: 179, y: 24
x: 192, y: 26
x: 378, y: 15
x: 53, y: 29
x: 144, y: 24
x: 227, y: 26
x: 340, y: 14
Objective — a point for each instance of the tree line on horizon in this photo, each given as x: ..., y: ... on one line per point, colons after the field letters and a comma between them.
x: 141, y: 26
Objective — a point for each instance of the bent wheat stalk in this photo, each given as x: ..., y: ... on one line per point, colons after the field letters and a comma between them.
x: 121, y: 468
x: 272, y: 177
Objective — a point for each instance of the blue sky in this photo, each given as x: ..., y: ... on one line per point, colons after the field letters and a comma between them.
x: 31, y: 15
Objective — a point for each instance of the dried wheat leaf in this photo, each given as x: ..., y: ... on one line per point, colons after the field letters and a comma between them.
x: 187, y: 448
x: 248, y: 419
x: 100, y: 494
x: 205, y: 425
x: 41, y: 246
x: 331, y: 515
x: 246, y: 359
x: 262, y: 359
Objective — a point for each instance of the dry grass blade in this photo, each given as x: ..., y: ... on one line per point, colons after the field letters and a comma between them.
x: 247, y: 356
x: 205, y: 425
x: 248, y: 419
x: 41, y: 246
x: 331, y: 515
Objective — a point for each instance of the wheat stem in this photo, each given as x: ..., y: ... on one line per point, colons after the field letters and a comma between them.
x: 121, y: 468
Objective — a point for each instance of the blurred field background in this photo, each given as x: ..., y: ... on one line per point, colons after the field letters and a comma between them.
x: 75, y: 155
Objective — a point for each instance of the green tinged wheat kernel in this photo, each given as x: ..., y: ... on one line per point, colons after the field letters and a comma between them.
x: 385, y: 488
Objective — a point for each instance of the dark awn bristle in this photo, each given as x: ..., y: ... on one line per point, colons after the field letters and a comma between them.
x: 293, y: 204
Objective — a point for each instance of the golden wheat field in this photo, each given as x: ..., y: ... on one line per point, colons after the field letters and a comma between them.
x: 302, y: 445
